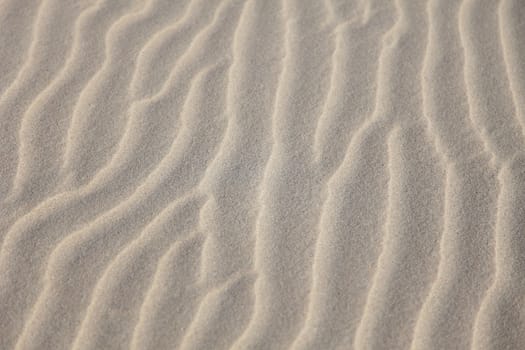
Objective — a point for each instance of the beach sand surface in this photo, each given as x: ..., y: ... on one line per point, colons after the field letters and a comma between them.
x: 262, y: 174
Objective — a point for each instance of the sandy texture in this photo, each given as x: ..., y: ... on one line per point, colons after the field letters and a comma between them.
x: 262, y: 174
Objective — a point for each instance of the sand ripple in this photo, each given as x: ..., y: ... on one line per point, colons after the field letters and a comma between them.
x: 262, y: 174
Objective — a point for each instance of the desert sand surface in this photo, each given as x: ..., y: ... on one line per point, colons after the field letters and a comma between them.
x: 262, y: 174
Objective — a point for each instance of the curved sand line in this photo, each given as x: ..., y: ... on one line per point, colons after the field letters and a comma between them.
x: 50, y: 42
x: 126, y: 218
x: 324, y: 329
x: 62, y: 209
x: 408, y: 259
x: 34, y: 177
x: 252, y: 174
x: 96, y: 115
x: 17, y: 18
x: 156, y: 58
x: 280, y: 245
x: 469, y: 175
x: 172, y: 299
x: 109, y: 312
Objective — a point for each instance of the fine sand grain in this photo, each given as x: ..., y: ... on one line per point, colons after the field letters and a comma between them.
x: 262, y: 174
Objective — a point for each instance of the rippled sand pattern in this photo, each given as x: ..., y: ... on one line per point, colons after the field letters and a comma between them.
x: 262, y: 174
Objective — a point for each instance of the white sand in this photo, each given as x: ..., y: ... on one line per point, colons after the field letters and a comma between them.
x: 262, y: 174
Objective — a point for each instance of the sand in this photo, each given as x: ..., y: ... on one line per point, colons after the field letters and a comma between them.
x: 262, y: 174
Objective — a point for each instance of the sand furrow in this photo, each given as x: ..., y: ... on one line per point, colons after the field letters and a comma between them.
x: 115, y: 182
x: 286, y: 227
x: 17, y: 18
x: 157, y: 58
x: 511, y: 53
x: 355, y: 65
x: 119, y: 293
x: 198, y: 138
x: 226, y: 303
x: 408, y: 260
x: 226, y: 138
x: 172, y: 300
x: 410, y: 244
x: 358, y: 333
x: 510, y: 14
x: 445, y: 100
x: 504, y: 301
x: 351, y: 226
x: 36, y: 175
x: 446, y: 106
x: 333, y: 108
x: 50, y: 42
x: 262, y: 174
x: 266, y: 167
x: 43, y: 227
x: 38, y: 164
x: 96, y: 124
x: 347, y: 243
x: 489, y: 92
x: 350, y: 111
x: 229, y: 218
x: 153, y: 143
x: 447, y: 316
x: 62, y: 214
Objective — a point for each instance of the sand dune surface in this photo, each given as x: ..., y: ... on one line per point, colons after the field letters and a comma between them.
x: 262, y: 174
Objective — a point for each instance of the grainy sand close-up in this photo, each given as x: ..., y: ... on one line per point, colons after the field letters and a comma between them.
x: 262, y: 174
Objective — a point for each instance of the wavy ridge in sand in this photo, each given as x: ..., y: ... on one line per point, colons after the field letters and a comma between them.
x: 262, y: 174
